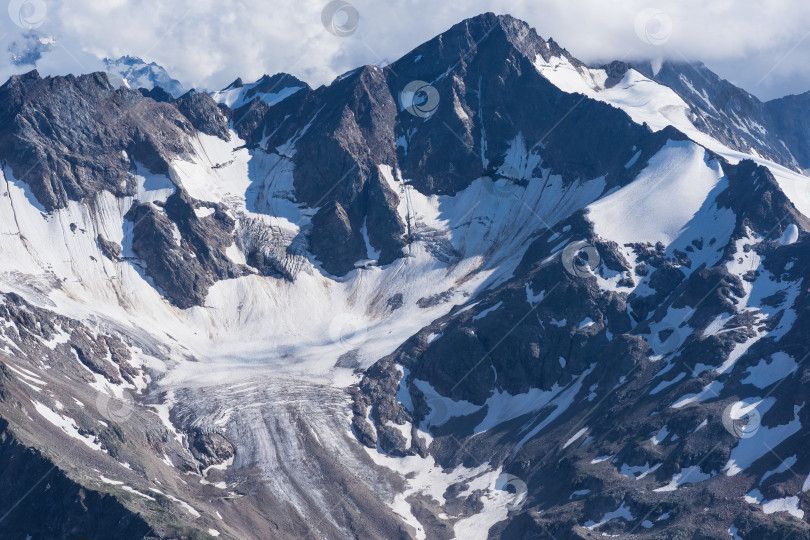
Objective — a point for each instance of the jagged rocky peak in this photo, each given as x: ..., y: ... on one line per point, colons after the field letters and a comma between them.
x: 481, y: 72
x: 791, y: 115
x: 731, y: 114
x: 238, y: 83
x: 270, y: 89
x: 139, y: 74
x: 204, y: 114
x: 532, y: 284
x: 70, y: 137
x: 486, y: 31
x: 268, y: 83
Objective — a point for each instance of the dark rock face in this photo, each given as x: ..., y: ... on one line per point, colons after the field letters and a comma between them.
x: 346, y: 143
x: 343, y: 132
x: 210, y: 448
x: 105, y: 355
x: 93, y: 352
x: 204, y: 114
x: 247, y: 120
x: 585, y: 370
x: 486, y: 82
x: 110, y: 249
x: 338, y: 236
x: 270, y: 84
x: 777, y: 129
x: 791, y: 116
x: 183, y: 268
x: 65, y: 136
x: 615, y: 72
x: 55, y: 506
x: 157, y: 93
x: 506, y: 344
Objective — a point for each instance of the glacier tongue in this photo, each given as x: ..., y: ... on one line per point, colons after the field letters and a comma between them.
x: 267, y: 361
x: 340, y: 384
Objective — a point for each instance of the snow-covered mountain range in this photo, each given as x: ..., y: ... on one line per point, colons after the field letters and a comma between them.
x: 484, y: 291
x: 136, y: 73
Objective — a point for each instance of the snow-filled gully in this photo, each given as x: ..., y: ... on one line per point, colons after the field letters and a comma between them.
x: 259, y: 361
x: 264, y: 361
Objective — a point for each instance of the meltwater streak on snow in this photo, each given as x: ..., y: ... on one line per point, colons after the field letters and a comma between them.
x: 57, y: 260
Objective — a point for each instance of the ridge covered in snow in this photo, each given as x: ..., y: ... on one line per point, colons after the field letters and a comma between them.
x: 558, y: 303
x: 135, y: 73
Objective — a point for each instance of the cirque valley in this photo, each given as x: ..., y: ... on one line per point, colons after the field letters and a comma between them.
x: 484, y: 291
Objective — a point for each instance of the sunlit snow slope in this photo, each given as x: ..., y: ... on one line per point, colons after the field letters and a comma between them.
x: 296, y: 401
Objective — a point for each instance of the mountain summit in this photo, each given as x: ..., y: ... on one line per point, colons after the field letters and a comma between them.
x: 486, y: 291
x: 139, y: 74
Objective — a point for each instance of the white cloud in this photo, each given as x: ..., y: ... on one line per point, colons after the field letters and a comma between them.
x: 764, y: 47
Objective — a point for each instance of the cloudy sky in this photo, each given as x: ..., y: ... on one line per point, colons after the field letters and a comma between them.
x: 762, y: 46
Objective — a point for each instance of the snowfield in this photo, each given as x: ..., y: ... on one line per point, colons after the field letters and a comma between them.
x: 264, y: 348
x: 271, y: 362
x: 680, y: 171
x: 647, y: 101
